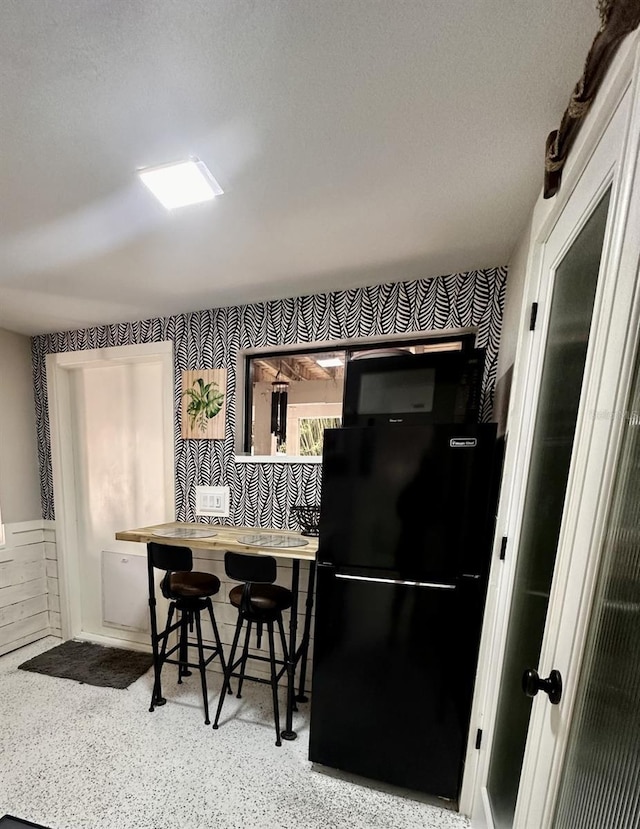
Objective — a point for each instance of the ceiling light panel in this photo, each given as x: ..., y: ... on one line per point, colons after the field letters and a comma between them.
x: 181, y: 183
x: 330, y: 362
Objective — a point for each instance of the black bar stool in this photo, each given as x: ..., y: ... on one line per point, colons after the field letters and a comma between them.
x: 190, y: 593
x: 260, y: 602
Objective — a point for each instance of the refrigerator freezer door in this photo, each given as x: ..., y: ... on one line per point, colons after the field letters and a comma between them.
x: 393, y: 678
x: 410, y: 500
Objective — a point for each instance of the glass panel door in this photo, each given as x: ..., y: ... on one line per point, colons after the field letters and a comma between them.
x: 560, y: 385
x: 599, y: 784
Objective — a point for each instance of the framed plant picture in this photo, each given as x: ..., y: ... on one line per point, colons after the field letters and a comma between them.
x: 204, y: 399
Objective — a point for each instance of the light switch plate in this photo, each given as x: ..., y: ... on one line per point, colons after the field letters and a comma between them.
x: 212, y: 500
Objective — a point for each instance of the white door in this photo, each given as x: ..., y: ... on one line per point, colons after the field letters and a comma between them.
x: 579, y: 363
x: 112, y: 436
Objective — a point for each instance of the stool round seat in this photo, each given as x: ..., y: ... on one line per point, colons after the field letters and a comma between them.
x: 265, y: 598
x: 187, y: 584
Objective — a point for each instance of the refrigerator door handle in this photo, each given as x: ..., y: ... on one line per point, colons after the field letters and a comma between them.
x: 429, y: 584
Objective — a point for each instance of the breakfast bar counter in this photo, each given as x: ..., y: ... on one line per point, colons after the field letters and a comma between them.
x: 281, y: 544
x: 219, y: 537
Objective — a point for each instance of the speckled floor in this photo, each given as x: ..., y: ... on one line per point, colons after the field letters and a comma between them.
x: 79, y: 757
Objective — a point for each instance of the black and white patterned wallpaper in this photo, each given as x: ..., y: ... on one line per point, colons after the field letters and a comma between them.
x: 261, y: 494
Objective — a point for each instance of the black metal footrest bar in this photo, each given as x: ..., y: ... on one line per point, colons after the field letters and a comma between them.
x: 259, y: 659
x: 257, y: 678
x: 160, y: 637
x: 184, y: 664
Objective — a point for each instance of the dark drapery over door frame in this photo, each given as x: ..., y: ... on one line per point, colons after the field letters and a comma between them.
x: 618, y: 19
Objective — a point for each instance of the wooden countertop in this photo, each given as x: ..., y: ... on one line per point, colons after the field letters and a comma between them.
x: 225, y: 538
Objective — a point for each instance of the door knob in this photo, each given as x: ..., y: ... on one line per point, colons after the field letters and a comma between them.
x: 552, y: 685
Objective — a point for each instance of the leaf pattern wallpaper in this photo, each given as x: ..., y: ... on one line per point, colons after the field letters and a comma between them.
x: 262, y: 494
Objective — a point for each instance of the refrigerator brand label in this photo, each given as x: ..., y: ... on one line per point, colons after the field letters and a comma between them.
x: 463, y: 443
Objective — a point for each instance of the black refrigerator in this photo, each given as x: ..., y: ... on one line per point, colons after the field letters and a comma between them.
x: 406, y: 527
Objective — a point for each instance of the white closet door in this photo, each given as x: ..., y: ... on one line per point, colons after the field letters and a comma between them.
x: 118, y: 432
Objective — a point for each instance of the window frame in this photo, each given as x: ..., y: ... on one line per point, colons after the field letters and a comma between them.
x: 350, y: 347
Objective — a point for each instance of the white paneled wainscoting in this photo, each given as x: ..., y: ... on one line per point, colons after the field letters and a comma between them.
x: 29, y: 592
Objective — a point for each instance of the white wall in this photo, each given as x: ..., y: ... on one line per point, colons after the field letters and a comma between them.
x: 513, y: 300
x: 19, y: 481
x: 517, y: 270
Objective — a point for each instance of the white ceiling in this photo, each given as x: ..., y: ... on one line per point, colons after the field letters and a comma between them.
x: 358, y: 141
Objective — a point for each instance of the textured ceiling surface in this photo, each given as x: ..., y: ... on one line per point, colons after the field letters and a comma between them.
x: 358, y: 141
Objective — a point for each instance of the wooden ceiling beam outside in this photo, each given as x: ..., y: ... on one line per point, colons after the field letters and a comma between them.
x: 296, y: 370
x: 293, y: 368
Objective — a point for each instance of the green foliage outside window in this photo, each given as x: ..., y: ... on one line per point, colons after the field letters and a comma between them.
x: 311, y: 430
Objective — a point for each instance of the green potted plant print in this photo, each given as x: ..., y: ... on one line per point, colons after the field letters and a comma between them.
x: 205, y: 401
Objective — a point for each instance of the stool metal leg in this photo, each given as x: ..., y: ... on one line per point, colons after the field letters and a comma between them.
x: 216, y: 635
x: 274, y: 681
x: 283, y: 638
x: 203, y: 669
x: 289, y: 733
x: 232, y: 656
x: 182, y: 648
x: 245, y: 654
x: 159, y: 662
x: 157, y: 698
x: 183, y: 653
x: 302, y: 697
x: 285, y: 649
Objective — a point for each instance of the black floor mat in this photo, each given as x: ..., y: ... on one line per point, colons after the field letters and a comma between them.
x: 8, y: 822
x: 90, y: 663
